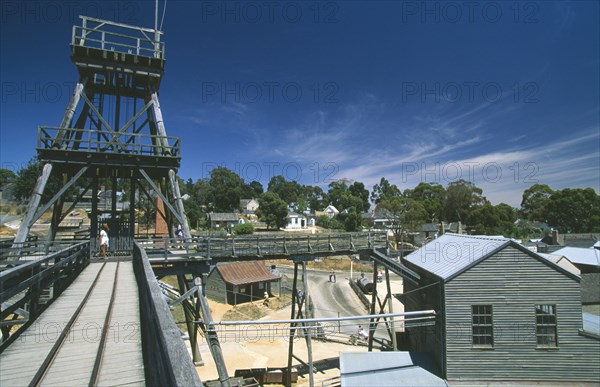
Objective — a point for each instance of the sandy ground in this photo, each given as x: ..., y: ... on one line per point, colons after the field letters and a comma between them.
x: 267, y: 346
x: 264, y: 346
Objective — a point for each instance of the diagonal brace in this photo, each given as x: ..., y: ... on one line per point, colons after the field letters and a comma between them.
x: 162, y: 196
x: 58, y: 195
x: 184, y: 297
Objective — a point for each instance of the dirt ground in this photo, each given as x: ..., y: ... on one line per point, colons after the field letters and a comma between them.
x: 267, y: 346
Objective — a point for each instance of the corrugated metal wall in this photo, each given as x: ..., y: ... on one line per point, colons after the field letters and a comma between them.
x: 513, y: 283
x: 215, y: 287
x: 427, y: 339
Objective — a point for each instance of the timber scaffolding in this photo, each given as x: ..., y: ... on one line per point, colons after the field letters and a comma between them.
x: 113, y: 129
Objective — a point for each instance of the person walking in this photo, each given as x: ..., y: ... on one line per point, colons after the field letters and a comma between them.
x: 104, y: 240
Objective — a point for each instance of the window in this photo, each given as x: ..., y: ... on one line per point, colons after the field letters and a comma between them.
x: 545, y: 325
x: 483, y: 330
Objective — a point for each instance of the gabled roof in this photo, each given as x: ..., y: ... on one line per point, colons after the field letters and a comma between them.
x: 451, y: 254
x: 580, y: 255
x: 429, y: 227
x: 241, y: 273
x: 223, y: 217
x: 332, y: 208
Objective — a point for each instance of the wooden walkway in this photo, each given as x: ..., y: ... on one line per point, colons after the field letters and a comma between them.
x: 89, y: 353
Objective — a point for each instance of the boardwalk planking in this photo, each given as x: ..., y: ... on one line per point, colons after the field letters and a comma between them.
x: 122, y: 362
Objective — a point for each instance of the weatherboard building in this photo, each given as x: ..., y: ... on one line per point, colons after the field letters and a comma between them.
x: 504, y: 313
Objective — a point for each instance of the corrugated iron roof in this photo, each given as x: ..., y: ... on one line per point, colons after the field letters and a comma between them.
x: 581, y: 255
x: 450, y: 254
x: 385, y: 369
x: 561, y: 261
x: 241, y: 273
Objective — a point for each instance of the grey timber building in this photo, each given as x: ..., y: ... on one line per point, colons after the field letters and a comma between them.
x: 504, y: 313
x: 238, y: 282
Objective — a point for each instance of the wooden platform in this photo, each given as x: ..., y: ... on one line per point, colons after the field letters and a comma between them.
x: 122, y: 362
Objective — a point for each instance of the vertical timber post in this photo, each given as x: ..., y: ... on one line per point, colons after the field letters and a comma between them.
x: 211, y: 335
x: 94, y: 216
x: 34, y: 202
x: 189, y: 321
x: 372, y: 323
x: 391, y: 309
x: 288, y: 379
x: 179, y: 203
x: 132, y: 188
x: 307, y: 335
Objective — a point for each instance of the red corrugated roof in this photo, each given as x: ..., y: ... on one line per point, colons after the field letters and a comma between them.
x: 241, y: 273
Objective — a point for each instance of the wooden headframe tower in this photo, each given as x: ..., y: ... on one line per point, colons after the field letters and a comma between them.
x: 112, y: 130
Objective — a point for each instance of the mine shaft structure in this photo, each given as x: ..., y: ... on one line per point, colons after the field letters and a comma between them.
x: 112, y: 132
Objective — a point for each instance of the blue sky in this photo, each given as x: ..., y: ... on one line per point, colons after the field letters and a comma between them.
x: 505, y: 94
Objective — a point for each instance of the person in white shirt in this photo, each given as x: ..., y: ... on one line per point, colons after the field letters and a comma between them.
x: 104, y: 240
x: 362, y: 333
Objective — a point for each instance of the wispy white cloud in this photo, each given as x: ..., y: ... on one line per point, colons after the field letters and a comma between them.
x: 442, y: 149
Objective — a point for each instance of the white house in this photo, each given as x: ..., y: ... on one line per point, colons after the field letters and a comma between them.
x: 331, y: 211
x: 296, y: 221
x: 249, y: 205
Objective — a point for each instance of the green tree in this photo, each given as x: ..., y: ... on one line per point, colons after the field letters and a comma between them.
x: 404, y: 214
x: 574, y: 210
x: 462, y: 197
x: 227, y: 189
x: 352, y: 220
x: 384, y: 190
x: 493, y: 220
x: 315, y: 196
x: 535, y: 200
x: 357, y: 189
x: 288, y: 191
x: 346, y: 197
x: 257, y: 189
x: 6, y: 176
x: 27, y: 178
x: 272, y: 210
x: 432, y: 197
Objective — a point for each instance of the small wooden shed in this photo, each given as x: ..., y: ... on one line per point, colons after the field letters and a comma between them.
x: 238, y: 282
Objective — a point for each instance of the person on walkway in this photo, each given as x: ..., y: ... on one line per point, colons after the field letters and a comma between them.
x: 362, y: 333
x: 104, y: 240
x: 266, y: 299
x: 179, y: 235
x: 333, y: 276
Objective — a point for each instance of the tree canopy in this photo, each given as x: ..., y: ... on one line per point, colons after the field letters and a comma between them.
x: 272, y: 210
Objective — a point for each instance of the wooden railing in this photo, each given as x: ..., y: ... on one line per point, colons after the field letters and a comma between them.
x: 249, y: 247
x: 166, y: 360
x: 28, y: 287
x: 104, y: 141
x: 118, y: 37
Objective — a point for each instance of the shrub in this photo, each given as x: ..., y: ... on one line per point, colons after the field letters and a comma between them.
x: 244, y: 228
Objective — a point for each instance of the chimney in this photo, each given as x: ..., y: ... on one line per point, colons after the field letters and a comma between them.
x: 555, y: 237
